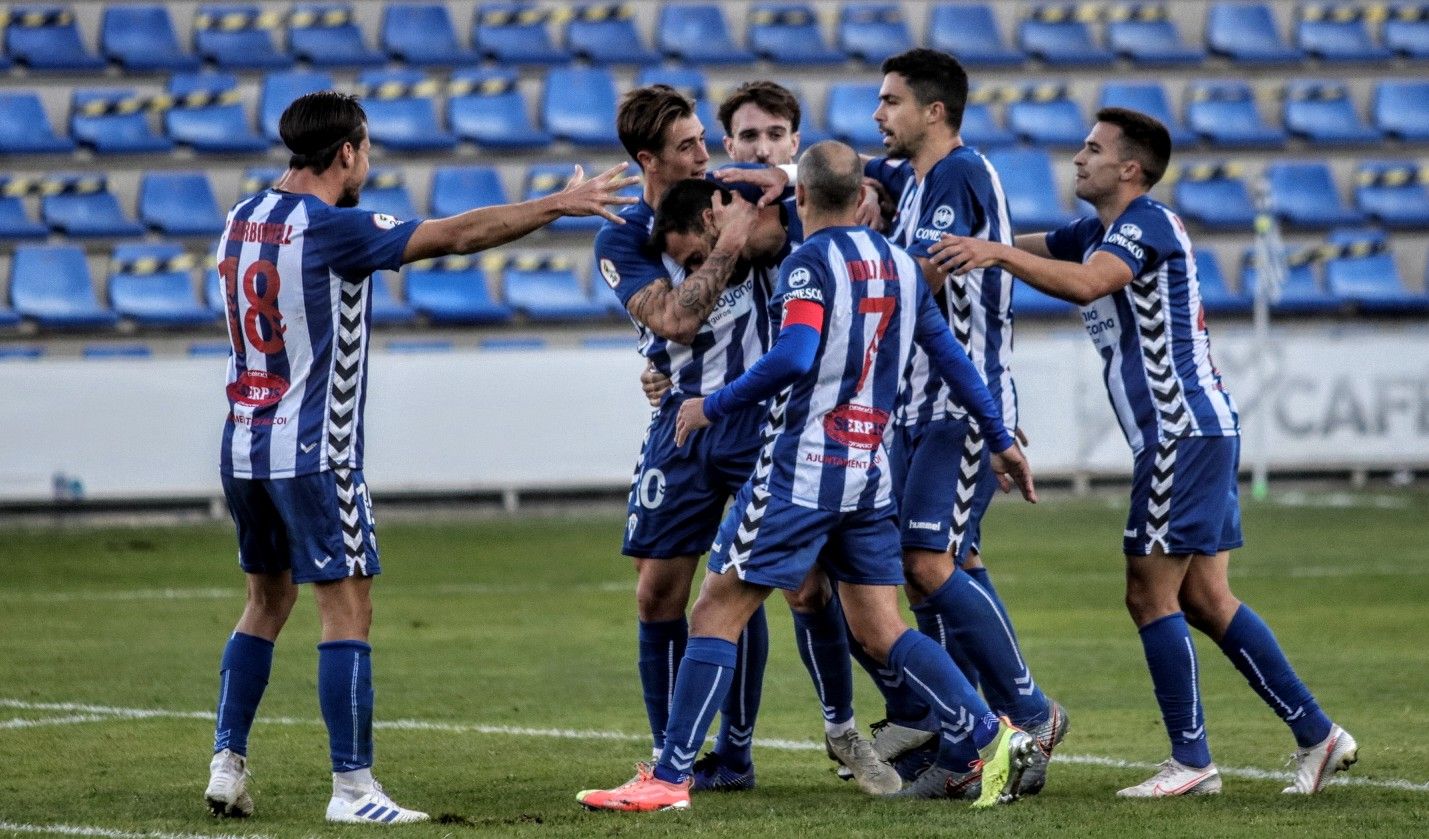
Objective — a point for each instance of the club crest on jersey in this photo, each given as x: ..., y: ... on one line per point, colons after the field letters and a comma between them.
x: 257, y: 389
x: 856, y: 426
x: 609, y: 274
x: 799, y: 277
x: 1131, y: 231
x: 943, y: 217
x: 384, y: 221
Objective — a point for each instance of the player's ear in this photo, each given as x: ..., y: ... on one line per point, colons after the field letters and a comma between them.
x: 643, y: 159
x: 937, y: 112
x: 794, y: 152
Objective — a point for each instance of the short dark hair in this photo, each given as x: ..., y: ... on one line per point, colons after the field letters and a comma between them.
x: 934, y: 77
x: 767, y: 96
x: 831, y: 175
x: 315, y: 126
x: 646, y: 113
x: 1144, y: 138
x: 682, y: 209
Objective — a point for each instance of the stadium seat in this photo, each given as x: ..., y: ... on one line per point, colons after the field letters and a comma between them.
x: 1145, y: 33
x: 47, y: 38
x: 543, y: 179
x: 279, y: 90
x: 1323, y: 113
x: 400, y: 112
x: 152, y: 285
x: 422, y: 34
x: 198, y: 349
x: 1031, y: 189
x: 788, y: 33
x: 1406, y: 31
x: 849, y: 114
x: 1365, y: 273
x: 1030, y: 302
x: 327, y: 35
x: 1301, y: 294
x: 52, y: 285
x: 602, y: 33
x: 1357, y: 234
x: 1338, y: 32
x: 385, y: 192
x: 1392, y: 193
x: 969, y: 32
x: 454, y: 290
x: 547, y: 290
x: 1216, y: 296
x: 387, y: 309
x: 114, y: 121
x: 1246, y: 33
x: 458, y: 189
x: 26, y: 129
x: 1225, y: 114
x: 209, y: 116
x: 141, y: 38
x: 1060, y: 36
x: 697, y: 34
x: 1401, y: 109
x: 213, y: 293
x: 980, y: 128
x: 1045, y: 115
x: 258, y: 178
x: 578, y: 106
x: 111, y: 351
x: 516, y: 33
x: 15, y: 222
x: 179, y: 204
x: 486, y: 107
x: 1149, y: 98
x: 872, y: 32
x: 1214, y: 195
x: 239, y: 38
x: 1304, y: 195
x: 80, y: 204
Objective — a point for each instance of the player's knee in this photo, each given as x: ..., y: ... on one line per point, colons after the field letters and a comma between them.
x: 811, y: 597
x: 272, y: 602
x: 661, y: 599
x: 925, y: 571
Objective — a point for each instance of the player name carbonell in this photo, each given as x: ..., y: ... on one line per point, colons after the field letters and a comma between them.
x: 262, y: 232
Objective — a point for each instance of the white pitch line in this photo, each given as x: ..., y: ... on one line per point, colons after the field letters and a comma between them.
x: 121, y: 596
x: 99, y: 713
x: 85, y: 830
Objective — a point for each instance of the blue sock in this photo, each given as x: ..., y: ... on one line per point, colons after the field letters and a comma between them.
x: 967, y: 723
x: 700, y: 689
x: 741, y: 706
x: 345, y: 694
x: 822, y: 638
x: 932, y: 624
x: 901, y: 704
x: 662, y: 645
x: 979, y: 575
x: 1171, y: 658
x: 1252, y: 648
x: 982, y: 632
x: 247, y: 661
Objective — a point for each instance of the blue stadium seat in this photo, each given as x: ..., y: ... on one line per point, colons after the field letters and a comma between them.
x: 1149, y: 98
x: 400, y: 112
x: 1323, y: 113
x: 1304, y: 195
x: 788, y: 33
x: 1145, y: 33
x: 422, y: 34
x: 486, y: 107
x: 47, y: 38
x: 1401, y: 109
x: 515, y: 33
x: 1045, y: 115
x: 454, y: 290
x: 1216, y: 296
x: 697, y: 34
x: 385, y: 192
x: 387, y: 309
x: 114, y: 121
x: 327, y: 35
x: 15, y: 223
x: 1338, y: 32
x: 1365, y: 274
x: 111, y: 351
x: 1060, y: 36
x: 981, y: 130
x: 198, y: 349
x: 602, y: 33
x: 1246, y: 33
x: 1214, y: 195
x: 543, y: 179
x: 209, y: 116
x: 1406, y: 31
x: 258, y: 178
x: 1031, y: 189
x: 52, y: 285
x: 80, y: 204
x: 1393, y: 193
x: 153, y: 286
x: 547, y: 290
x: 141, y: 38
x: 969, y: 32
x: 872, y: 32
x: 239, y: 37
x: 213, y: 293
x: 279, y: 90
x: 456, y: 189
x: 179, y: 204
x: 26, y: 129
x: 849, y: 114
x: 1301, y: 294
x: 578, y: 106
x: 1029, y: 302
x: 1225, y: 114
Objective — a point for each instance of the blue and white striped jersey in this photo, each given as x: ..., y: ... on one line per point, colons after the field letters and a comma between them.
x: 1152, y: 336
x: 961, y: 195
x: 295, y: 278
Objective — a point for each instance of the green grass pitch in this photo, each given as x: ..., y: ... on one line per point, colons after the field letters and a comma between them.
x: 505, y: 677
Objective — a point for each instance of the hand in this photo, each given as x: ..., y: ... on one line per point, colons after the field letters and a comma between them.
x: 1022, y: 437
x: 583, y: 197
x: 960, y: 254
x: 734, y: 220
x: 1011, y: 468
x: 655, y: 384
x: 772, y: 180
x: 690, y: 419
x: 870, y: 214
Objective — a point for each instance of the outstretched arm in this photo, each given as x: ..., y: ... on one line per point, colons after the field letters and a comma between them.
x: 1079, y: 282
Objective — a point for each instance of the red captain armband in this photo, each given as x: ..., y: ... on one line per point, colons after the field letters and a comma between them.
x: 804, y: 312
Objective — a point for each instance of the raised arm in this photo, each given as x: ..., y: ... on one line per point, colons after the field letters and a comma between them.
x: 1079, y: 282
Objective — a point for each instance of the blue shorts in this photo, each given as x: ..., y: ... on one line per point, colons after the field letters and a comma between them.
x: 774, y: 542
x: 944, y: 484
x: 1184, y: 498
x: 319, y: 526
x: 678, y: 495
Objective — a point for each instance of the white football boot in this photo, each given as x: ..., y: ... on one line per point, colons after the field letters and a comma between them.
x: 1315, y: 764
x: 368, y: 805
x: 227, y: 794
x: 1175, y: 778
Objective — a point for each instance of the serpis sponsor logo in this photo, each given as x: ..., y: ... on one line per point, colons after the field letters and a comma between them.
x: 257, y: 389
x: 856, y: 426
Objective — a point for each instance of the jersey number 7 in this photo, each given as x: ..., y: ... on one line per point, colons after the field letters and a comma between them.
x: 885, y: 307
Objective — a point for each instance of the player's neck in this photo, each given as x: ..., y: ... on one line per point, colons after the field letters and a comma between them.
x: 815, y: 221
x: 303, y: 182
x: 1114, y: 206
x: 654, y: 188
x: 934, y: 148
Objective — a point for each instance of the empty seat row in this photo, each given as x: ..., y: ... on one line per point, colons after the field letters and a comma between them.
x: 80, y: 204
